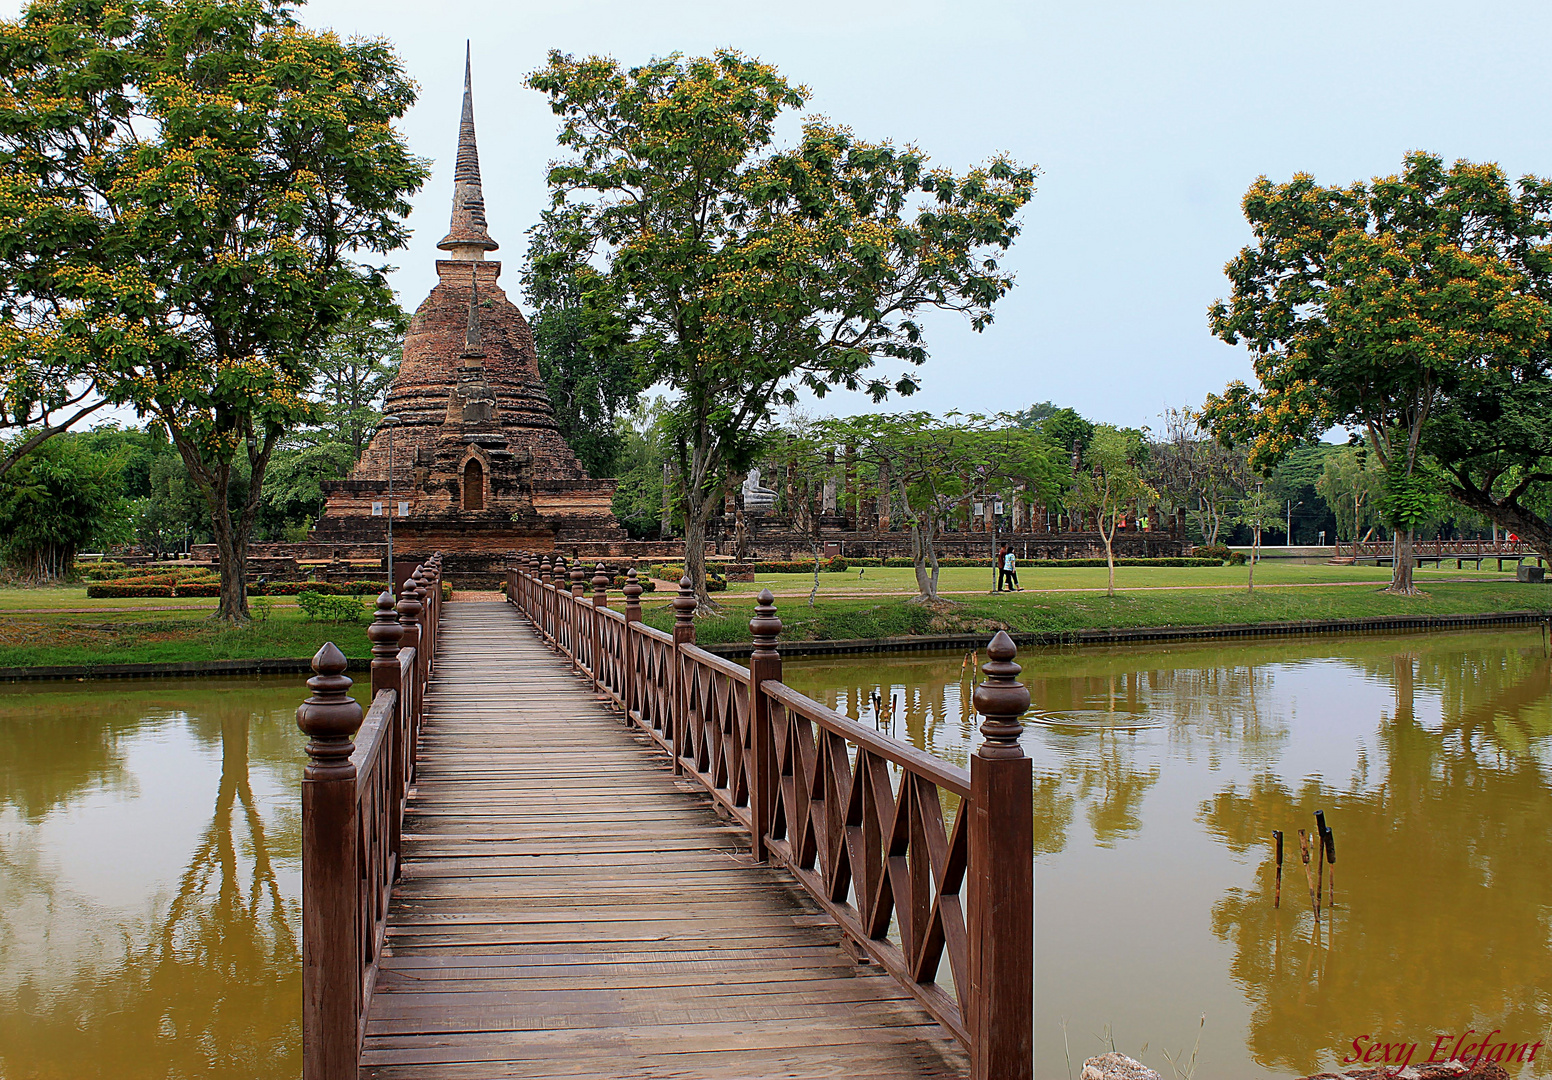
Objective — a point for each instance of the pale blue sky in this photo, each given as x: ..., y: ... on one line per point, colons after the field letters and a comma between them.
x: 1148, y: 121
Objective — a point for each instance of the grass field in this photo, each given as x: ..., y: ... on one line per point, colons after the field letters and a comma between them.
x: 882, y: 580
x: 149, y: 637
x: 59, y: 625
x: 837, y: 618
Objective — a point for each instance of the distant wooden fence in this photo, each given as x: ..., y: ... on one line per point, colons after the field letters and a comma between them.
x: 1438, y: 549
x: 353, y: 792
x: 858, y: 818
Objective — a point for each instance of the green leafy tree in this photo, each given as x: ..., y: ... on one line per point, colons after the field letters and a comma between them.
x: 1353, y: 485
x: 1200, y: 475
x: 355, y: 368
x: 1113, y: 478
x: 185, y: 189
x: 1382, y: 307
x: 742, y: 273
x: 293, y: 494
x: 1257, y: 510
x: 55, y: 500
x: 582, y: 343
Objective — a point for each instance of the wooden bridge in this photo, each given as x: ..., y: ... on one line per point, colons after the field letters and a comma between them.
x: 564, y: 843
x: 1439, y: 552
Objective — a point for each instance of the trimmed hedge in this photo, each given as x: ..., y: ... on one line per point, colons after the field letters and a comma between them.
x: 323, y: 588
x: 112, y: 590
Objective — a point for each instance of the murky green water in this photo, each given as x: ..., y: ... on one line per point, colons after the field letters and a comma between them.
x: 149, y: 844
x: 1160, y: 774
x: 149, y: 874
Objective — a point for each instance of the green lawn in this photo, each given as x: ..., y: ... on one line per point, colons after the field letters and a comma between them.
x: 38, y: 627
x: 144, y: 637
x: 1033, y: 577
x: 883, y: 616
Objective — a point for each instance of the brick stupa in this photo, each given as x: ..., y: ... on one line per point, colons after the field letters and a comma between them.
x: 480, y: 469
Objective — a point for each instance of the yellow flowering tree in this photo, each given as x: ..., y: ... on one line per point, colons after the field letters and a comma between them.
x: 1384, y: 307
x: 742, y: 272
x: 189, y: 190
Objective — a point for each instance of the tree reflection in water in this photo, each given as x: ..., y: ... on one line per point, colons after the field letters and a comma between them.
x: 205, y: 981
x: 1445, y: 916
x: 1440, y: 800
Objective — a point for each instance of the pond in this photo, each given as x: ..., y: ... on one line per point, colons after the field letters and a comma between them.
x: 149, y: 854
x: 1160, y: 774
x: 150, y: 865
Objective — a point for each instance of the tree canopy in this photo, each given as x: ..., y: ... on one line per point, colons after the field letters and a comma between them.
x: 741, y: 272
x: 185, y: 189
x: 1381, y: 307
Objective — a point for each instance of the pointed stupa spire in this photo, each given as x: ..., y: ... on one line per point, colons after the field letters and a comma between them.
x: 467, y: 238
x: 472, y: 347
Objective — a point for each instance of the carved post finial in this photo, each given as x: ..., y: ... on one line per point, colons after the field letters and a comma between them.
x: 765, y: 627
x: 600, y: 587
x: 633, y: 593
x: 409, y: 606
x: 578, y: 575
x: 685, y: 604
x: 1001, y: 700
x: 385, y: 631
x: 330, y: 717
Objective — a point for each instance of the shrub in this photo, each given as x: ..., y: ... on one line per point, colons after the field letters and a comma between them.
x: 109, y: 590
x: 197, y: 588
x: 1237, y: 558
x: 447, y: 591
x: 1220, y: 552
x: 319, y: 607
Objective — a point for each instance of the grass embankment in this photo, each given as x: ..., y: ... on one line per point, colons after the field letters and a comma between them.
x: 60, y: 626
x: 839, y: 618
x: 49, y: 639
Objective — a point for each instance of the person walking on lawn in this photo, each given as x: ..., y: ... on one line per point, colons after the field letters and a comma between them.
x: 1008, y: 575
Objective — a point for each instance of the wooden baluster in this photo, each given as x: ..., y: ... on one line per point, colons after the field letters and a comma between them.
x: 543, y: 597
x: 557, y: 601
x: 423, y: 594
x: 629, y: 691
x: 576, y: 624
x: 409, y: 618
x: 331, y: 937
x: 764, y: 663
x: 1002, y: 877
x: 600, y: 600
x: 385, y: 634
x: 684, y: 634
x: 548, y: 600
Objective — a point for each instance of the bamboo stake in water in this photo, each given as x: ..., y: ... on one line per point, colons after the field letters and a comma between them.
x: 1277, y: 895
x: 1309, y: 878
x: 1319, y: 839
x: 1328, y: 836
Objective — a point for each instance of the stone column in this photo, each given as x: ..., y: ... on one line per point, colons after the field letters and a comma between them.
x: 829, y: 482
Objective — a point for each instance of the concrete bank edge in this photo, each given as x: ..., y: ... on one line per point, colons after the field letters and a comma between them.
x: 151, y: 671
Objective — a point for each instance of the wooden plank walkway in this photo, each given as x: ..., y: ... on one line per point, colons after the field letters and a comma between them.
x: 569, y: 908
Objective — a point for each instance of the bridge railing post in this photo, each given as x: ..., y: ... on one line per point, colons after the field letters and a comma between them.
x: 331, y: 910
x: 385, y: 633
x: 628, y: 677
x: 684, y: 634
x: 1002, y: 877
x: 764, y: 663
x: 409, y: 608
x: 546, y: 572
x: 600, y: 600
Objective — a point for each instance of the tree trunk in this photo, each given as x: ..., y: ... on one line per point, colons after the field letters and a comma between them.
x: 921, y: 551
x: 1109, y: 538
x: 813, y: 545
x: 1401, y: 581
x: 1255, y: 552
x: 232, y: 548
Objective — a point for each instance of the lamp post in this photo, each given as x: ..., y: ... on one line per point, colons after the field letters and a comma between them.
x: 1289, y: 533
x: 390, y: 422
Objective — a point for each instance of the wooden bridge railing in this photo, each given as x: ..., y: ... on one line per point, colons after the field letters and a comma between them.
x: 919, y: 861
x: 357, y: 776
x: 1429, y: 549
